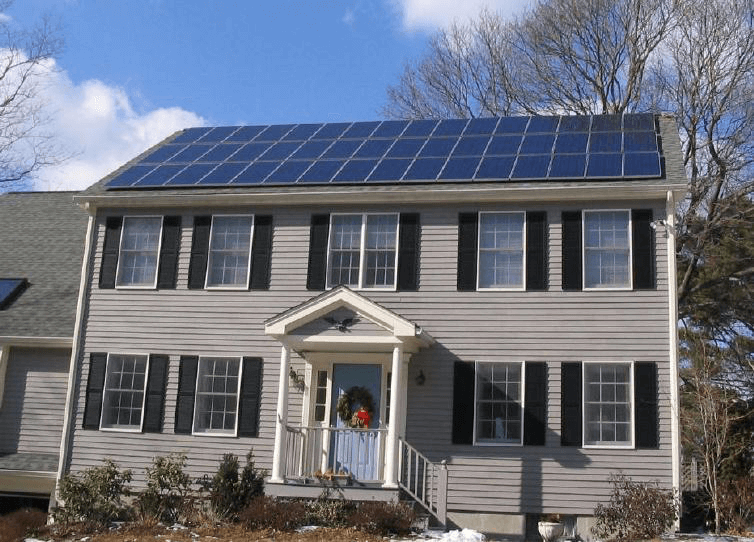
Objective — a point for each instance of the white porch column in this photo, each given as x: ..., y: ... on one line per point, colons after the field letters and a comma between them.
x: 397, y: 413
x: 281, y: 417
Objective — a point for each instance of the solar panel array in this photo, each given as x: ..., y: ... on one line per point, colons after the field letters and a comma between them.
x: 399, y: 151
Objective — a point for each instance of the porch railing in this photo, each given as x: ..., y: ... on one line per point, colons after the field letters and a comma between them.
x: 425, y: 481
x: 334, y: 451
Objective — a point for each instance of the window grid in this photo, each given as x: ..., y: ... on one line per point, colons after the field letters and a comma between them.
x: 608, y: 406
x: 498, y: 403
x: 139, y: 251
x: 501, y: 250
x: 123, y: 394
x: 217, y: 390
x: 229, y: 251
x: 320, y: 398
x: 607, y: 249
x: 363, y: 250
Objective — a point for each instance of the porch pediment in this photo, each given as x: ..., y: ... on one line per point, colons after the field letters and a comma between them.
x: 344, y: 320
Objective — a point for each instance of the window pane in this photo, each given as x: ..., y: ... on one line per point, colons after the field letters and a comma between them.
x: 380, y: 251
x: 139, y: 249
x: 345, y: 246
x: 607, y: 409
x: 229, y: 249
x: 217, y: 395
x: 607, y: 251
x: 501, y: 250
x: 498, y: 406
x: 124, y: 391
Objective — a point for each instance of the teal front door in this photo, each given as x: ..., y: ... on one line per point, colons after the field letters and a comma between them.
x: 353, y: 450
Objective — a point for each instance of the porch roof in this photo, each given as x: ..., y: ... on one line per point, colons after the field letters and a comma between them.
x: 396, y: 329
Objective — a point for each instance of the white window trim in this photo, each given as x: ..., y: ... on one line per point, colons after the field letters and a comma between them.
x: 362, y: 252
x: 522, y: 402
x: 479, y: 254
x: 244, y: 286
x: 630, y: 252
x: 117, y: 429
x: 120, y: 254
x: 216, y: 433
x: 632, y: 407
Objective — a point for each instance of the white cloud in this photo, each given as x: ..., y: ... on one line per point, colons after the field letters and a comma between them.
x: 433, y: 14
x: 99, y: 127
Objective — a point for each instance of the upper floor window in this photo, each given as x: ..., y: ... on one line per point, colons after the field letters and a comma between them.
x: 499, y: 403
x: 229, y: 251
x: 362, y: 250
x: 123, y: 393
x: 607, y: 249
x: 217, y: 389
x: 607, y: 404
x: 501, y: 250
x: 139, y: 251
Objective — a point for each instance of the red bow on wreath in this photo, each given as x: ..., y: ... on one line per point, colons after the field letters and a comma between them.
x: 361, y: 419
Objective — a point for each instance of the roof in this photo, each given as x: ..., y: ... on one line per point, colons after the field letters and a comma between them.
x: 41, y: 240
x: 505, y: 153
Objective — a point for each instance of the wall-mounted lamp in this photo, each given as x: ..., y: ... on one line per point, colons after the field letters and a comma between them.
x: 296, y: 380
x: 420, y: 378
x: 662, y: 222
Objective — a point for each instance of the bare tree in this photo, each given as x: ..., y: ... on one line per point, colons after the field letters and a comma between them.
x: 25, y: 61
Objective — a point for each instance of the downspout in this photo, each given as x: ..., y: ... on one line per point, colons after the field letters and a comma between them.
x: 75, y: 353
x: 675, y: 424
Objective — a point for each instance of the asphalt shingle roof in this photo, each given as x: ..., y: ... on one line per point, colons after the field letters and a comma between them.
x: 41, y: 239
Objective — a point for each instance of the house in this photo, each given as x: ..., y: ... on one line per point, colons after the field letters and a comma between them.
x: 480, y: 313
x: 41, y: 252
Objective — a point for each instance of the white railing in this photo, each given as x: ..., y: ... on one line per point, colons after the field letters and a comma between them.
x: 425, y: 481
x: 334, y: 451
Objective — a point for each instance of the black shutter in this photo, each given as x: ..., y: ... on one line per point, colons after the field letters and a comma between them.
x: 463, y: 402
x: 408, y: 252
x: 184, y: 407
x: 536, y: 250
x: 171, y: 245
x: 645, y: 398
x: 643, y: 249
x: 154, y: 402
x: 572, y: 279
x: 261, y: 253
x: 570, y: 407
x: 318, y: 233
x: 199, y: 250
x: 535, y: 404
x: 251, y: 391
x: 468, y: 224
x: 94, y: 388
x: 110, y: 250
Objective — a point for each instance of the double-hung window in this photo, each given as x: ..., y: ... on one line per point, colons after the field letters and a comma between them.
x: 362, y: 250
x: 124, y: 391
x: 501, y: 250
x: 139, y: 252
x: 229, y: 254
x: 218, y: 382
x: 498, y: 403
x: 607, y: 249
x: 608, y: 409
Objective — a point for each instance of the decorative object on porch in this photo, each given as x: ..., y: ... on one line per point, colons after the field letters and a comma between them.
x: 359, y: 398
x: 341, y: 325
x: 550, y: 527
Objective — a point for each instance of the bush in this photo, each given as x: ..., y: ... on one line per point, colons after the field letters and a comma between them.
x: 166, y: 497
x: 736, y: 505
x: 231, y: 491
x: 328, y: 512
x: 636, y: 511
x: 21, y: 523
x: 383, y: 518
x: 94, y: 496
x: 268, y: 513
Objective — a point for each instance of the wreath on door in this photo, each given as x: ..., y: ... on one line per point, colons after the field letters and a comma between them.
x: 356, y: 407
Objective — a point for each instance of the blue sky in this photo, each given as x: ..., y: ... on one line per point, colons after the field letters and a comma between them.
x: 132, y: 72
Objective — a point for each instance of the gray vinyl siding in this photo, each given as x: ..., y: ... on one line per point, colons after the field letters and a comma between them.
x: 31, y: 415
x: 551, y: 326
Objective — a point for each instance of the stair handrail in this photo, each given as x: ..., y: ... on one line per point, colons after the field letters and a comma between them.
x: 433, y: 495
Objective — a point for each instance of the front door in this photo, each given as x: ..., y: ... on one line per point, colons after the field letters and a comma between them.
x: 356, y: 450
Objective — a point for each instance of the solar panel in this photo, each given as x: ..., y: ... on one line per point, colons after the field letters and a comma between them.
x: 9, y: 290
x: 401, y: 151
